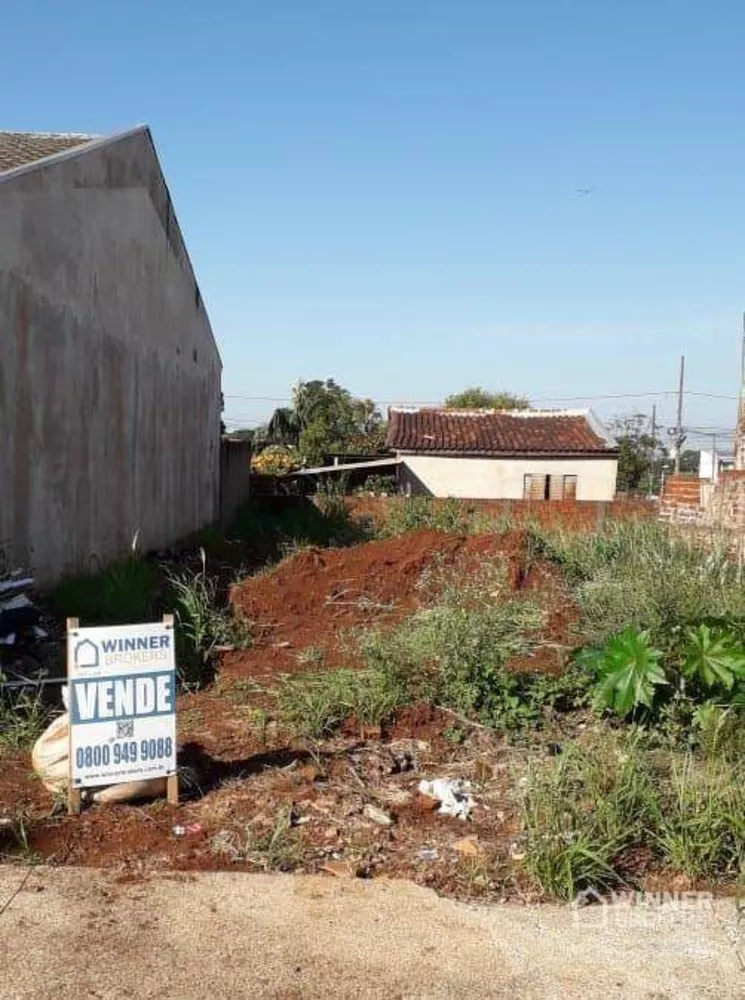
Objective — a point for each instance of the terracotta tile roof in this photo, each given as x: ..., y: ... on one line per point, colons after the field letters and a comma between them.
x: 19, y: 148
x: 496, y: 432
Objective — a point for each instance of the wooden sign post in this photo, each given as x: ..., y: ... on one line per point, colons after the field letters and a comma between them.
x: 122, y: 701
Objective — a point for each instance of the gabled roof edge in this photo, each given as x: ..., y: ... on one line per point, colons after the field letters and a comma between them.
x: 69, y: 154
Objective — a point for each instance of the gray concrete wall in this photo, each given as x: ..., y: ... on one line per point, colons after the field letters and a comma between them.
x: 235, y: 478
x: 109, y: 372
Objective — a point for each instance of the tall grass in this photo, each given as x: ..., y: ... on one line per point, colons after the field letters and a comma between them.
x: 315, y: 704
x: 417, y: 513
x: 640, y: 573
x: 587, y: 811
x: 23, y: 717
x: 122, y: 593
x: 204, y: 621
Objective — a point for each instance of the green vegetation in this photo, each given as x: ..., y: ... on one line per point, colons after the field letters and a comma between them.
x: 324, y: 418
x: 269, y: 527
x: 476, y: 398
x: 203, y: 622
x: 417, y: 513
x: 276, y: 849
x: 587, y: 811
x: 124, y: 592
x: 628, y: 671
x: 316, y: 704
x: 453, y: 653
x: 23, y: 717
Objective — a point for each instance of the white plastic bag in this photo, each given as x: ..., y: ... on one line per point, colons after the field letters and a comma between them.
x: 453, y: 794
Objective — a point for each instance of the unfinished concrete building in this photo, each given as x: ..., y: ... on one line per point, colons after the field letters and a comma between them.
x: 109, y: 372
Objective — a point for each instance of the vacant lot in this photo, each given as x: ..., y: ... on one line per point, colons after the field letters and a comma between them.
x: 587, y: 687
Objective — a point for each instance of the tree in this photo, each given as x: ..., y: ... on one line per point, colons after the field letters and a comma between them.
x: 283, y: 427
x: 690, y: 460
x: 325, y: 417
x: 641, y: 457
x: 476, y: 398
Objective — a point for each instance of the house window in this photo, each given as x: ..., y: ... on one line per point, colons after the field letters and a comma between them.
x: 542, y: 487
x: 535, y: 487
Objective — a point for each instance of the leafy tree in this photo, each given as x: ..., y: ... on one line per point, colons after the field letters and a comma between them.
x: 641, y: 457
x: 476, y: 398
x: 284, y: 427
x: 245, y: 434
x: 690, y: 460
x: 325, y: 417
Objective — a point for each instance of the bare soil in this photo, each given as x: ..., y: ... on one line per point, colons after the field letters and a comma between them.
x: 263, y: 798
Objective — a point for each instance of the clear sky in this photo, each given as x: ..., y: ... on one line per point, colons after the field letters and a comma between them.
x: 386, y: 191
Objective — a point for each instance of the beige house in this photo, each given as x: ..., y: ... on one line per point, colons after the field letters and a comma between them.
x: 495, y: 454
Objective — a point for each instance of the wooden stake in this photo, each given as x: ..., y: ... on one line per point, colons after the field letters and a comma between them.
x: 172, y: 781
x: 172, y: 789
x: 74, y: 795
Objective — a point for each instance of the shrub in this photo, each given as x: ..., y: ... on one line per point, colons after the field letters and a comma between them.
x: 628, y: 672
x: 276, y: 460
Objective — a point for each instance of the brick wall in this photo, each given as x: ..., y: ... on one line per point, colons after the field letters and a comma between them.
x: 681, y: 500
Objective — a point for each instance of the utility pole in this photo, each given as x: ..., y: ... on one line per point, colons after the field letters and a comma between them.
x: 654, y: 449
x: 714, y: 459
x: 679, y: 425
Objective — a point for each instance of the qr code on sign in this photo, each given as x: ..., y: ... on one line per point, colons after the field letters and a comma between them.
x: 125, y: 730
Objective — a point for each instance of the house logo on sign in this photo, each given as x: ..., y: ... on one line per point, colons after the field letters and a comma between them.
x: 86, y: 654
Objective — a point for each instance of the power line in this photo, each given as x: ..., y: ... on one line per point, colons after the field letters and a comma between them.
x: 534, y: 399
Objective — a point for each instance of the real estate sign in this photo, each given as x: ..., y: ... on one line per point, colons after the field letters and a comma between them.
x: 122, y: 699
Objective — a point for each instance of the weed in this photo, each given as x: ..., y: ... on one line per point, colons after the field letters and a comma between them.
x: 628, y: 671
x: 23, y: 717
x: 701, y: 819
x: 202, y: 624
x: 278, y: 849
x: 454, y: 653
x: 14, y: 833
x: 580, y: 811
x: 316, y: 704
x: 417, y: 513
x: 311, y: 656
x: 640, y: 574
x: 719, y: 731
x: 125, y: 592
x: 586, y: 809
x: 271, y: 523
x: 713, y: 658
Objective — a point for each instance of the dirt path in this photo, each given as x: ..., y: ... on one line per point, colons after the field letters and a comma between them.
x: 72, y: 932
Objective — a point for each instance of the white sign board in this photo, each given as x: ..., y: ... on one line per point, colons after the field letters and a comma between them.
x: 122, y: 697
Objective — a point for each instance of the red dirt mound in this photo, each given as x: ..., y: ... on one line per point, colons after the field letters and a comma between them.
x: 308, y: 599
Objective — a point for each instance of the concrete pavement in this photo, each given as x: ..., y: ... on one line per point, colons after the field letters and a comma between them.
x: 76, y: 933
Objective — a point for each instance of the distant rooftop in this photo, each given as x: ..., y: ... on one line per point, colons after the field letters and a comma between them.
x: 19, y: 148
x: 497, y: 432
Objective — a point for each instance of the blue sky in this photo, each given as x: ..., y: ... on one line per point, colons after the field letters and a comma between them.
x: 386, y: 192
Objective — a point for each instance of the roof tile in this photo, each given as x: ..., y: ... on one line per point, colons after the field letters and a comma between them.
x: 494, y: 432
x: 19, y: 148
